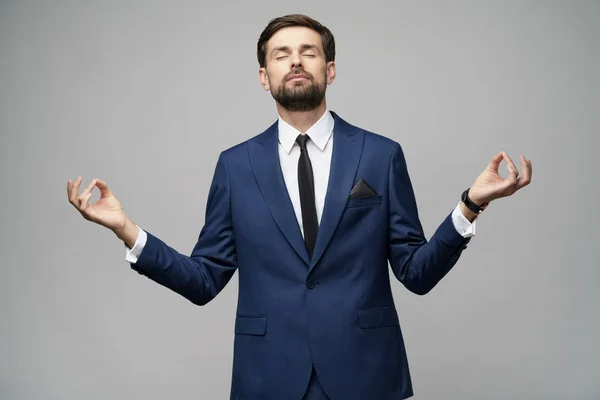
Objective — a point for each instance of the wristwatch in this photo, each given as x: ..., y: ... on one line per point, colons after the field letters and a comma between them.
x: 477, y: 209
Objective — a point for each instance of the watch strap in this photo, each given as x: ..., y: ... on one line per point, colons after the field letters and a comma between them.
x: 477, y: 209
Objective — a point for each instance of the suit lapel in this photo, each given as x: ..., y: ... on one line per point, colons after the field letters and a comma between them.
x: 347, y: 149
x: 264, y: 158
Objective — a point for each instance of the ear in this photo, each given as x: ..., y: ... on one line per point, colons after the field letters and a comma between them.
x: 263, y: 78
x: 330, y: 72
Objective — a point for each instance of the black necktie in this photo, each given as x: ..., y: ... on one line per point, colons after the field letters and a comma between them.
x: 306, y: 185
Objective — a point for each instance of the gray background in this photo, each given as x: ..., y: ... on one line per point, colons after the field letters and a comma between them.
x: 146, y: 94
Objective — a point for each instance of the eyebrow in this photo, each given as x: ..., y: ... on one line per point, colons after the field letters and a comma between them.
x: 302, y: 48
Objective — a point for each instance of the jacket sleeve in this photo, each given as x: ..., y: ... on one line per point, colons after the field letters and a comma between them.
x: 202, y: 275
x: 417, y: 263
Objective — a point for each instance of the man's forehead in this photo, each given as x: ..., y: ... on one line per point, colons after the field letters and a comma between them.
x: 293, y: 37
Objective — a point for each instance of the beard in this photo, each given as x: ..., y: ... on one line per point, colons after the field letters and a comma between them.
x: 303, y: 97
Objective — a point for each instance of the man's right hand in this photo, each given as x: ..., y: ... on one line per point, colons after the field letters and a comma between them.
x: 107, y: 211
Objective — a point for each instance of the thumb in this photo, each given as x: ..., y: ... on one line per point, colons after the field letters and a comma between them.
x: 104, y: 190
x: 495, y: 162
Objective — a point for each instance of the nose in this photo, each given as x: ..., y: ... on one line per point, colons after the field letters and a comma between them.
x: 295, y: 61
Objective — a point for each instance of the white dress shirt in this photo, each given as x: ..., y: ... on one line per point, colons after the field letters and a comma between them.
x: 319, y: 149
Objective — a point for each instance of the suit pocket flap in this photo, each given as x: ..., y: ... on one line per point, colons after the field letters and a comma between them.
x: 375, y: 317
x: 251, y: 325
x: 364, y: 201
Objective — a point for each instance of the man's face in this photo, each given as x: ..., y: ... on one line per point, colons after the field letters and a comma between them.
x: 296, y: 72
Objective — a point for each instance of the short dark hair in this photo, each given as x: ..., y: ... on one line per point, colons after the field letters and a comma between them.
x: 295, y: 20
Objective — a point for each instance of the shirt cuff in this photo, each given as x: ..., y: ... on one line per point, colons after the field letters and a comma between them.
x: 133, y: 254
x: 462, y: 225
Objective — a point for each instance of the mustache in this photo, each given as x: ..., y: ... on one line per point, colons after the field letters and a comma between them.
x: 298, y: 71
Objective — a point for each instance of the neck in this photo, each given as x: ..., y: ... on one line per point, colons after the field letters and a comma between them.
x: 302, y: 120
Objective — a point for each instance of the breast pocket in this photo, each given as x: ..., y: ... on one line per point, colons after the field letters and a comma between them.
x: 364, y: 201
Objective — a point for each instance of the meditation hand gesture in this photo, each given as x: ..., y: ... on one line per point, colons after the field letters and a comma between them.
x: 107, y: 211
x: 489, y: 185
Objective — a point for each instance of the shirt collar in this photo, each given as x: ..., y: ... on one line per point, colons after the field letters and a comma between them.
x: 319, y: 133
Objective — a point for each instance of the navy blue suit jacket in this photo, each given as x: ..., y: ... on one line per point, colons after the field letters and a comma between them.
x: 335, y: 310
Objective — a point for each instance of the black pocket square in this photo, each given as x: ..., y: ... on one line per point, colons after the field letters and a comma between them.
x: 362, y: 189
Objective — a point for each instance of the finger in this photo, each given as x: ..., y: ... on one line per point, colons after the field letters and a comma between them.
x: 85, y: 202
x: 495, y: 163
x: 525, y: 177
x: 88, y: 190
x: 513, y: 172
x: 506, y: 188
x: 73, y: 194
x: 69, y: 190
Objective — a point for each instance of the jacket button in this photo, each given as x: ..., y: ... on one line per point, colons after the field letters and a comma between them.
x: 310, y: 284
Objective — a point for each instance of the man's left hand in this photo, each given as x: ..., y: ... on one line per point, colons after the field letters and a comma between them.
x: 489, y: 185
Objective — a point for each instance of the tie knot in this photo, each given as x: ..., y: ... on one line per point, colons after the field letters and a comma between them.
x: 301, y: 140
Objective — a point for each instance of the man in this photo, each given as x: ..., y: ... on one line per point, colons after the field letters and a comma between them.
x: 309, y: 212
